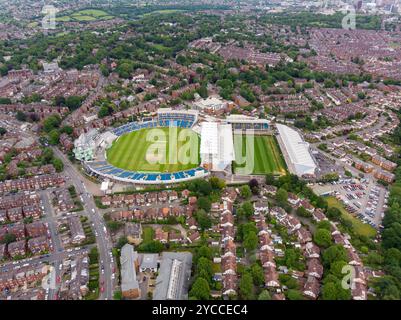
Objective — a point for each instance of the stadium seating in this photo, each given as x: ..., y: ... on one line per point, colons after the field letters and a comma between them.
x: 180, y: 120
x: 103, y: 168
x: 248, y: 126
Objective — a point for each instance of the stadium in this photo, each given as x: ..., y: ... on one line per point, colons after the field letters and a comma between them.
x: 176, y: 146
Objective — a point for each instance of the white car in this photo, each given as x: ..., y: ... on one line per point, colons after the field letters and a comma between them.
x: 113, y: 276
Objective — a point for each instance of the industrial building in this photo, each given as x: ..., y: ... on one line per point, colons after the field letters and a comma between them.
x: 173, y: 280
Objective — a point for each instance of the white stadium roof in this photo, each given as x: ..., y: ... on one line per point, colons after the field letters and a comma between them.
x: 209, y: 138
x: 297, y: 150
x: 217, y: 145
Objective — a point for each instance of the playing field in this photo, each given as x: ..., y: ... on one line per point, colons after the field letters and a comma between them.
x: 264, y: 157
x: 156, y: 150
x: 86, y: 15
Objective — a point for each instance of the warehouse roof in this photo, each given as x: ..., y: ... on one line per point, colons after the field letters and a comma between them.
x: 298, y: 150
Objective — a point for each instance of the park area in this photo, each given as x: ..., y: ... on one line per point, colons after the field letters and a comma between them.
x: 85, y: 15
x: 359, y: 227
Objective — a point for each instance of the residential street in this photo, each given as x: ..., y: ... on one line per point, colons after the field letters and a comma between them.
x: 103, y: 239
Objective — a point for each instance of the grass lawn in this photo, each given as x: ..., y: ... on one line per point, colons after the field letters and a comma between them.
x: 267, y: 157
x: 148, y: 234
x: 86, y: 15
x: 216, y: 267
x: 92, y: 12
x: 167, y: 11
x: 359, y: 227
x: 156, y: 150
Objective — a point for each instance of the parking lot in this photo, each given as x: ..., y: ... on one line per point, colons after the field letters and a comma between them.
x: 326, y: 166
x: 363, y: 198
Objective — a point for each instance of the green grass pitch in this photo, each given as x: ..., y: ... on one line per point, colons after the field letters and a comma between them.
x: 266, y: 153
x: 137, y: 151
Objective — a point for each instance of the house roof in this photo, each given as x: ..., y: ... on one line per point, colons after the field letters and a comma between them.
x: 149, y: 261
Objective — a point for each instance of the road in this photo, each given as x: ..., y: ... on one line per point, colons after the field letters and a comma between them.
x: 103, y: 238
x: 57, y: 245
x: 35, y: 261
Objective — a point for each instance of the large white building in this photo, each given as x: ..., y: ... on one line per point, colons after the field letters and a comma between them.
x: 86, y: 145
x: 210, y: 103
x: 296, y: 151
x: 217, y: 146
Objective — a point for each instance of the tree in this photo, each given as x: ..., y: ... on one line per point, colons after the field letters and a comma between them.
x: 117, y: 295
x: 104, y: 111
x: 205, y: 252
x: 257, y: 274
x: 247, y: 208
x: 264, y: 295
x: 302, y: 212
x: 54, y: 137
x: 58, y: 164
x: 281, y: 196
x: 59, y: 101
x: 3, y: 131
x: 386, y: 288
x: 203, y: 219
x: 67, y: 129
x: 114, y: 225
x: 51, y: 122
x: 204, y: 203
x: 322, y: 238
x: 5, y: 100
x: 270, y: 180
x: 290, y: 258
x: 293, y: 294
x: 204, y: 266
x: 245, y: 228
x: 333, y: 213
x: 8, y: 238
x: 246, y: 286
x: 392, y: 257
x: 250, y: 241
x: 217, y: 183
x: 336, y: 268
x: 325, y: 224
x: 122, y: 241
x: 152, y: 246
x: 334, y: 291
x: 254, y: 185
x: 374, y: 259
x: 204, y: 187
x: 246, y: 192
x: 334, y: 253
x: 73, y: 102
x: 47, y: 155
x: 200, y: 289
x: 20, y: 116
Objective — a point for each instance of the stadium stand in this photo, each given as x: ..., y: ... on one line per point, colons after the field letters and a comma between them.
x: 165, y: 118
x: 103, y: 168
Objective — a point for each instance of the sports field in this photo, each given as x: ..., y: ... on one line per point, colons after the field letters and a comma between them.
x: 265, y: 157
x: 86, y: 15
x: 156, y: 150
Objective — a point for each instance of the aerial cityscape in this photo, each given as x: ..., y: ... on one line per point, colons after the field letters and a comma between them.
x: 214, y: 150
